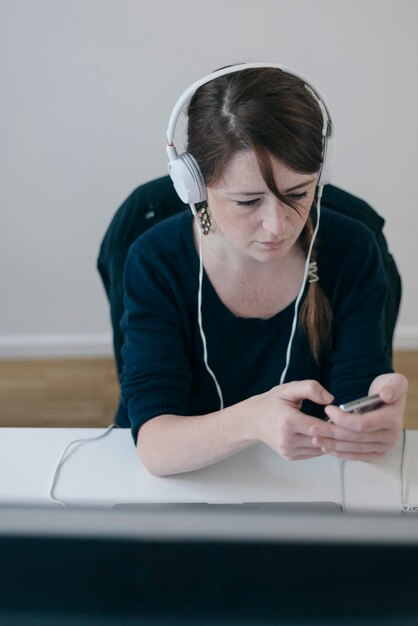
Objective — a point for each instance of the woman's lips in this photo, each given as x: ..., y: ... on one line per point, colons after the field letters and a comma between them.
x: 272, y: 244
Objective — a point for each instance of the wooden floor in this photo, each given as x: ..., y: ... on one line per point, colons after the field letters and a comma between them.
x: 54, y: 393
x: 84, y: 392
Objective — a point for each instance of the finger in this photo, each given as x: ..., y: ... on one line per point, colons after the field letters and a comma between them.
x: 348, y: 446
x: 379, y: 419
x: 332, y: 431
x: 309, y: 454
x: 388, y: 394
x: 299, y: 390
x: 390, y: 387
x: 304, y: 425
x: 298, y: 445
x: 353, y: 456
x: 304, y: 441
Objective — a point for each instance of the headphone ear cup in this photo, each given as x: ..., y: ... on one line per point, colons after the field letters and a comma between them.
x: 187, y: 179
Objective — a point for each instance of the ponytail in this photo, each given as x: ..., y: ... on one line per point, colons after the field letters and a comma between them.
x: 316, y: 314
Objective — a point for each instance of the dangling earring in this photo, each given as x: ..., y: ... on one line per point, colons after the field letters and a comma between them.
x: 204, y: 219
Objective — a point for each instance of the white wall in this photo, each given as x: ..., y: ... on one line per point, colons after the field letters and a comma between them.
x: 87, y: 88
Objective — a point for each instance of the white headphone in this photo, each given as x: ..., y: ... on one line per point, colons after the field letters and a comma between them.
x: 185, y: 172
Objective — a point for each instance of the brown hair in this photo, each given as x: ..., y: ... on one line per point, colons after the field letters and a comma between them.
x: 272, y: 113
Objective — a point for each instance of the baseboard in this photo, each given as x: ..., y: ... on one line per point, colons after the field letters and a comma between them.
x: 100, y: 344
x: 55, y: 346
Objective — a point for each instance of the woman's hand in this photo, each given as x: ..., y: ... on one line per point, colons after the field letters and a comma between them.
x: 281, y: 425
x: 365, y: 436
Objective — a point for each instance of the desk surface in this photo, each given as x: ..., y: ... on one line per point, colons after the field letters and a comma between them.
x: 108, y: 472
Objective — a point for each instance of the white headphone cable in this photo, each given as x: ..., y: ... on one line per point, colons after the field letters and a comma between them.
x: 403, y: 506
x: 302, y: 289
x: 205, y: 358
x: 64, y: 457
x: 294, y: 324
x: 199, y: 314
x: 406, y: 507
x: 341, y: 468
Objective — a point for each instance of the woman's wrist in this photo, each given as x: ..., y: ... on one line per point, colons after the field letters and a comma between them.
x: 243, y: 419
x: 250, y: 419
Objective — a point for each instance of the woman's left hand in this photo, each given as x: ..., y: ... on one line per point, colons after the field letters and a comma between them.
x: 365, y: 436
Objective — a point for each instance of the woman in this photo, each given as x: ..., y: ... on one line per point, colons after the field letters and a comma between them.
x: 257, y: 136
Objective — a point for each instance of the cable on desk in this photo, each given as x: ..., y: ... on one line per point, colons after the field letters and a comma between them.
x: 402, y: 469
x: 405, y: 507
x: 63, y: 458
x: 341, y: 468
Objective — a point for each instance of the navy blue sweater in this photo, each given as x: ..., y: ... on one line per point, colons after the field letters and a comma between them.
x: 163, y: 367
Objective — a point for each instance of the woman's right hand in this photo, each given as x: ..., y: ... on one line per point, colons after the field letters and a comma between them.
x: 279, y: 422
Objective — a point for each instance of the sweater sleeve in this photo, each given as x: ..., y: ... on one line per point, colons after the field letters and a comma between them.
x: 359, y: 352
x: 156, y: 376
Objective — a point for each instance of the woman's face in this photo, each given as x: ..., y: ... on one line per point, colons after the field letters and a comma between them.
x: 250, y: 220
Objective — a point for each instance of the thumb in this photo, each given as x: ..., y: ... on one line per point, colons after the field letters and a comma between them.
x: 390, y: 387
x: 299, y: 390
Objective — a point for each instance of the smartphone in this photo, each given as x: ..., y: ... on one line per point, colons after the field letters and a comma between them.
x: 362, y: 405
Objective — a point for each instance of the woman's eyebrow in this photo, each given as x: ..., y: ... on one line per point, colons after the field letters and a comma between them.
x: 245, y: 193
x: 299, y: 185
x: 260, y: 193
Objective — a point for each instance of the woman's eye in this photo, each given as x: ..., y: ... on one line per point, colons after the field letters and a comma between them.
x: 247, y: 202
x: 299, y: 196
x: 296, y: 196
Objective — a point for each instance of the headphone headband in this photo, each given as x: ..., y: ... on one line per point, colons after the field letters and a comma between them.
x: 184, y: 170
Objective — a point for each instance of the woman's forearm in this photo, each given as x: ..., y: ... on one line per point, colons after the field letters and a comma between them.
x: 172, y: 444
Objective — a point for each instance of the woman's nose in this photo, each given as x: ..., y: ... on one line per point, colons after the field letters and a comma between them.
x: 274, y: 219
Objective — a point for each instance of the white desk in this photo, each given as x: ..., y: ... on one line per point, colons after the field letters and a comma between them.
x: 109, y: 472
